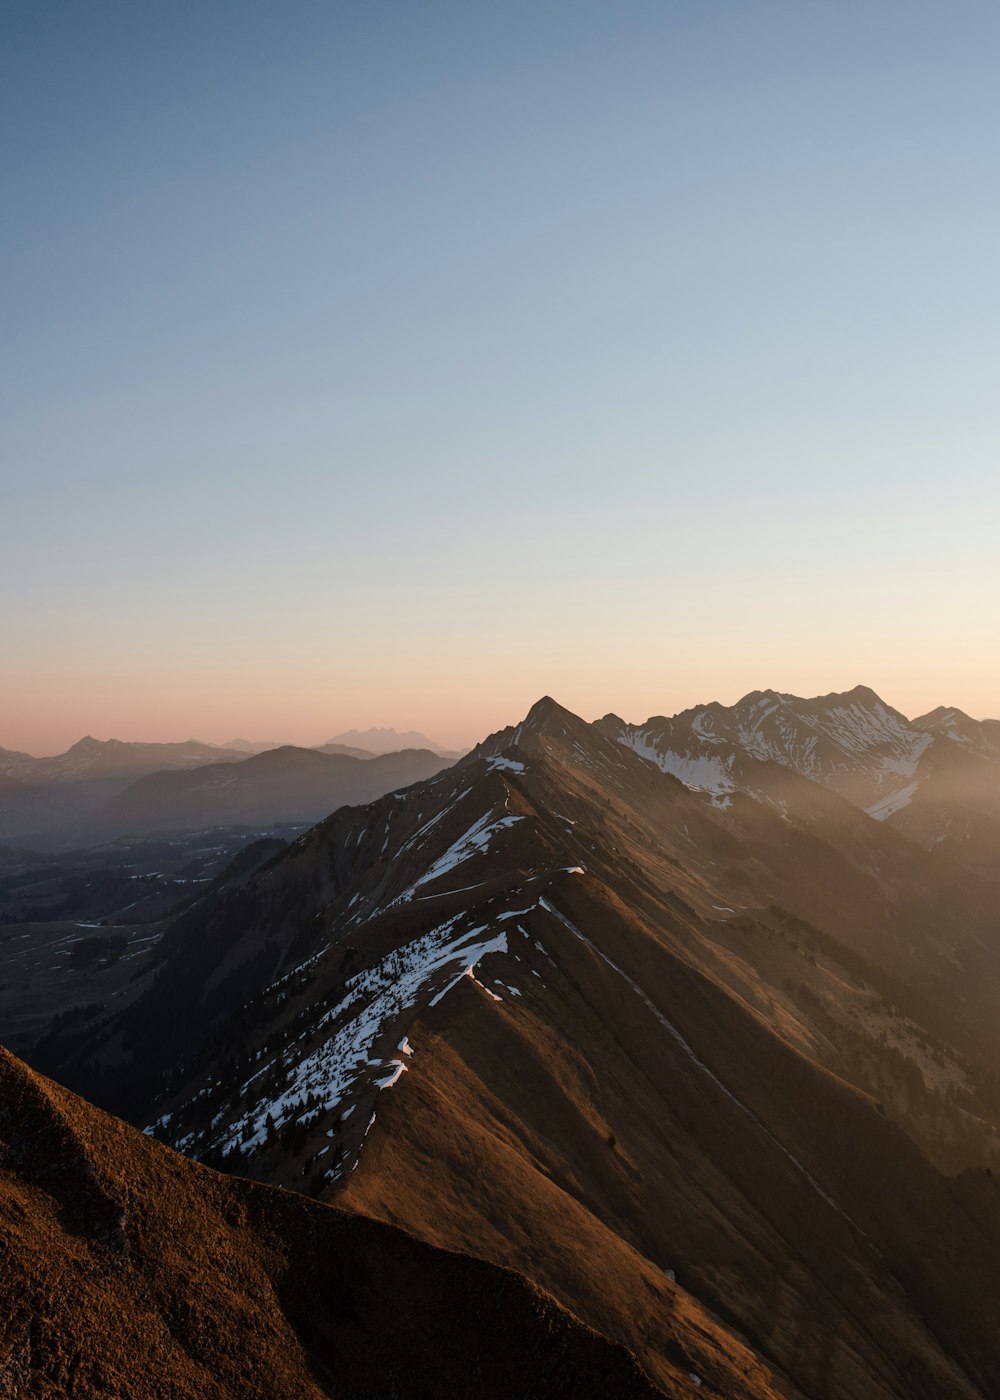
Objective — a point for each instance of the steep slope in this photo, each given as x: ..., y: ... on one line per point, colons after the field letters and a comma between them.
x: 556, y: 1009
x: 131, y: 1271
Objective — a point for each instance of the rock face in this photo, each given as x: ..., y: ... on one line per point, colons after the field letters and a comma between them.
x: 129, y: 1271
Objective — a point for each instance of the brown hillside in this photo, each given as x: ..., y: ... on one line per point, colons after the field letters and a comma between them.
x: 129, y: 1271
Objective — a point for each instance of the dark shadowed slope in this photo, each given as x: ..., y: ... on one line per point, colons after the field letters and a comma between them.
x: 129, y: 1271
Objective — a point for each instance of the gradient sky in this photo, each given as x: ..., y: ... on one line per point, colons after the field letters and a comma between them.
x: 396, y: 363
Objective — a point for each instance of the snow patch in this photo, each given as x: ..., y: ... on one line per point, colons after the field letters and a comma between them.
x: 507, y: 765
x: 702, y: 772
x: 895, y: 802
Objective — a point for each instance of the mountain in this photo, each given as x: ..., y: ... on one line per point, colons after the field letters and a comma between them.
x: 381, y: 741
x: 96, y: 758
x: 280, y: 785
x: 937, y: 778
x: 12, y: 762
x: 50, y: 800
x: 115, y: 792
x: 357, y: 753
x: 251, y: 746
x: 719, y: 1078
x: 131, y: 1271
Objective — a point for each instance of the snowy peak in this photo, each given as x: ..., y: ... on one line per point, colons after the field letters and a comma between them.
x: 981, y: 736
x: 936, y: 778
x: 851, y: 741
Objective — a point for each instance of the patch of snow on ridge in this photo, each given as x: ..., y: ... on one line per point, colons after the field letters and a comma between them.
x: 907, y: 765
x: 476, y: 841
x: 374, y: 998
x: 473, y: 955
x: 509, y: 765
x: 703, y: 772
x: 398, y: 1068
x: 895, y: 802
x: 702, y: 726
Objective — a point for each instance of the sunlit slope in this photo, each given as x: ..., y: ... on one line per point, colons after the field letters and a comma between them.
x: 130, y: 1271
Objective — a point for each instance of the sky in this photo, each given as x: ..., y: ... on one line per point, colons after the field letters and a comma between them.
x: 395, y: 363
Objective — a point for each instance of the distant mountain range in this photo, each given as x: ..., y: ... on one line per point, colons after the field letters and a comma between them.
x: 676, y: 1021
x: 279, y: 785
x: 389, y: 741
x: 97, y: 758
x: 84, y: 796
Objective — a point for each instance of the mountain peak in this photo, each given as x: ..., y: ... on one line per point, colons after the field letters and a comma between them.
x: 546, y: 708
x: 864, y: 695
x: 942, y: 714
x: 548, y: 717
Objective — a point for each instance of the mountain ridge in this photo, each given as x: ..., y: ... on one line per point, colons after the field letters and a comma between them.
x: 151, y: 1271
x: 918, y: 776
x: 554, y: 1008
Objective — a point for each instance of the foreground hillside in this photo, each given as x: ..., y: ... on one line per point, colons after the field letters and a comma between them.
x: 129, y: 1271
x: 697, y: 1071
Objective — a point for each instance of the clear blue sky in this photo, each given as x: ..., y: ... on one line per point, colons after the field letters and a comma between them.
x: 399, y: 362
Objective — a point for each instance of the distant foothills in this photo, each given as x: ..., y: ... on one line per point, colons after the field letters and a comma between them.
x: 99, y: 790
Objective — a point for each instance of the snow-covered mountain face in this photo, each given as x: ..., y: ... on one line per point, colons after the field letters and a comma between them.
x: 853, y: 743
